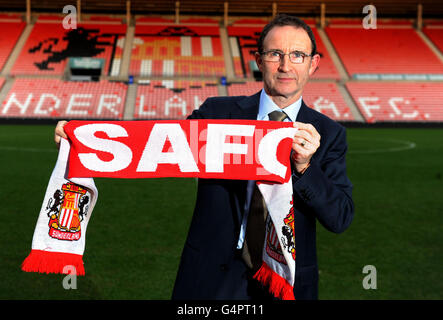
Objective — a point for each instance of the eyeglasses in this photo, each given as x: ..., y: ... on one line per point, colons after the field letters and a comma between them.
x: 277, y: 56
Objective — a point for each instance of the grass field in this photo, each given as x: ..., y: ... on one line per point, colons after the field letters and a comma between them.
x: 138, y: 227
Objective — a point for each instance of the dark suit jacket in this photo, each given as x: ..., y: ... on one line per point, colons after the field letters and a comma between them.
x: 210, y: 268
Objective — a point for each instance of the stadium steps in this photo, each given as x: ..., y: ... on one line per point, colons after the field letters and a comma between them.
x: 17, y: 49
x: 229, y: 64
x: 222, y: 90
x: 126, y: 57
x: 131, y: 96
x: 333, y: 54
x: 350, y: 102
x: 7, y: 85
x: 343, y: 75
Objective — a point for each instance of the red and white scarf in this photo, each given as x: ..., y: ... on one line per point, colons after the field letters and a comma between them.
x: 221, y: 149
x: 60, y: 234
x: 278, y: 268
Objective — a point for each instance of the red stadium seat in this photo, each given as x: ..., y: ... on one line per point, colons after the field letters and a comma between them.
x: 53, y: 98
x: 11, y: 31
x: 170, y: 99
x: 259, y: 22
x: 385, y: 50
x: 321, y: 96
x: 435, y: 33
x: 153, y: 20
x: 337, y: 22
x: 199, y: 21
x: 388, y: 101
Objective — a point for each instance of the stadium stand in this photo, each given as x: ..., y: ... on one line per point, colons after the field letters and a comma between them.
x: 54, y: 98
x: 167, y: 49
x: 9, y: 38
x: 49, y: 45
x: 392, y: 50
x: 398, y: 102
x: 169, y: 66
x: 321, y: 96
x: 169, y: 99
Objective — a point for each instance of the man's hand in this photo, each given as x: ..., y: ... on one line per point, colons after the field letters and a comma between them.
x: 305, y: 143
x: 60, y: 132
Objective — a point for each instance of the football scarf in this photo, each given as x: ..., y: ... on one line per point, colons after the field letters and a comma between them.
x: 278, y: 268
x: 221, y: 149
x: 59, y: 236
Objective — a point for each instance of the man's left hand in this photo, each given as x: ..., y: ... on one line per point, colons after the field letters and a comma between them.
x: 305, y: 143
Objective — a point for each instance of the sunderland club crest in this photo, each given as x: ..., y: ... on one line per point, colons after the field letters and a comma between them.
x: 288, y: 238
x: 67, y: 208
x: 273, y: 248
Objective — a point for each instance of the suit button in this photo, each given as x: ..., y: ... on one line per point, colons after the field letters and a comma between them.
x: 224, y: 267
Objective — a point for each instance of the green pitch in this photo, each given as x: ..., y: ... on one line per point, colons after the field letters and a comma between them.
x: 138, y: 228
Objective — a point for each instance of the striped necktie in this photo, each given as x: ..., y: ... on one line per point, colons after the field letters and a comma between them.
x: 277, y: 116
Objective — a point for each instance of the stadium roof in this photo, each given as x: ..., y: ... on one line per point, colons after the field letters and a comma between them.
x: 391, y: 8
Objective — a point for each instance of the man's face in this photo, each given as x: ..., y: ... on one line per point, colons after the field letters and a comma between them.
x: 284, y: 81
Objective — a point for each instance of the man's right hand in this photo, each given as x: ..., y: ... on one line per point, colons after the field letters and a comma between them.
x: 60, y: 132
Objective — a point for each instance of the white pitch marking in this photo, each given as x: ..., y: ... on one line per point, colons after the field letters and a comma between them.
x: 27, y: 149
x: 405, y: 145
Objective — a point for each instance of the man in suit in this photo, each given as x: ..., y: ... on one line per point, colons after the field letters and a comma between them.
x: 212, y: 265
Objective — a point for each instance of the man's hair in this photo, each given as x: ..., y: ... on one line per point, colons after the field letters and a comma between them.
x: 282, y: 20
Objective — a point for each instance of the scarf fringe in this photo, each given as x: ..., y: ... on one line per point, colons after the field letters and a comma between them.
x: 53, y: 262
x: 278, y: 286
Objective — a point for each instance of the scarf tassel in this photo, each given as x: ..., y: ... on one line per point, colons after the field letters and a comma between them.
x: 278, y: 286
x: 53, y: 262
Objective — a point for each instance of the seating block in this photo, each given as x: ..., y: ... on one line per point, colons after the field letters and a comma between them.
x: 398, y: 102
x: 171, y: 99
x: 49, y: 46
x: 53, y: 98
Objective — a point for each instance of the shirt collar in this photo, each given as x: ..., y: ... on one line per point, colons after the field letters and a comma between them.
x: 267, y: 105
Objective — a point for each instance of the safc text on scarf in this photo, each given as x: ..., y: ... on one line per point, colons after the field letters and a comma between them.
x: 184, y: 148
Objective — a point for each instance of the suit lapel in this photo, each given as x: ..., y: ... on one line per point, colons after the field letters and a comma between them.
x: 306, y: 114
x: 247, y: 108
